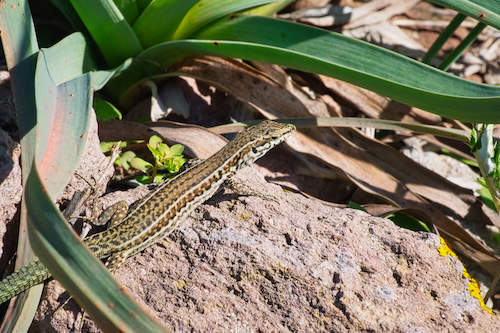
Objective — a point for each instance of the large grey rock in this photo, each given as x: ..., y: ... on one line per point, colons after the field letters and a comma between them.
x: 250, y: 264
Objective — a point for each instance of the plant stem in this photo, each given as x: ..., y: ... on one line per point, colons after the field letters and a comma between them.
x: 443, y: 37
x: 471, y: 37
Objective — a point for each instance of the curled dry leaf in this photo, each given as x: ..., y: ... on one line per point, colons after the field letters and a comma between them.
x: 376, y: 106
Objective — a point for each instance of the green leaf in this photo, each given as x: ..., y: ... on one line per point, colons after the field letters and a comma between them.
x: 124, y: 159
x: 155, y: 140
x: 485, y: 195
x: 143, y: 179
x: 114, y: 36
x: 443, y: 37
x: 460, y: 49
x: 105, y: 110
x: 61, y: 132
x: 128, y: 8
x: 177, y: 149
x: 64, y: 111
x: 163, y: 152
x: 174, y: 164
x: 159, y: 178
x: 355, y: 205
x: 269, y: 9
x: 158, y: 21
x: 207, y: 11
x: 140, y: 164
x: 319, y: 51
x: 408, y: 222
x: 486, y: 11
x: 108, y: 145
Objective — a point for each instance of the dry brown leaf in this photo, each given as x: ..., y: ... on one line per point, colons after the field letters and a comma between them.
x: 123, y: 130
x: 198, y: 141
x: 250, y: 85
x: 375, y: 106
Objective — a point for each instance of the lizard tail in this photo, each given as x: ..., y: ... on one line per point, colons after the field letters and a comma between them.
x: 23, y: 279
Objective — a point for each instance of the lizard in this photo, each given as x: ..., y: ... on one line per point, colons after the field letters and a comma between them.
x: 161, y: 211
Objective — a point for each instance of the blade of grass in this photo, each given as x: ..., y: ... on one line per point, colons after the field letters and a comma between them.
x: 457, y: 52
x: 443, y: 37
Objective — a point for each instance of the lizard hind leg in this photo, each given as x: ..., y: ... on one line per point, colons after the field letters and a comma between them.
x: 116, y: 260
x: 114, y: 214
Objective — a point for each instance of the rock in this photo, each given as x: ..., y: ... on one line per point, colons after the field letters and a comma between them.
x: 11, y: 190
x: 290, y: 264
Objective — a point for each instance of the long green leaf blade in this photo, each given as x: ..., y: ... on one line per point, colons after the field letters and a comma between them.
x: 166, y: 15
x: 443, y: 37
x: 366, y: 65
x: 128, y: 8
x: 314, y: 50
x: 207, y: 11
x: 269, y: 9
x: 109, y: 29
x: 63, y: 114
x: 486, y: 11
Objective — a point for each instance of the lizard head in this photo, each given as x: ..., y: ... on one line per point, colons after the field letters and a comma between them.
x: 262, y: 137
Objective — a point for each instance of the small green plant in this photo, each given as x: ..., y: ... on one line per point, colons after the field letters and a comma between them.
x: 167, y: 161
